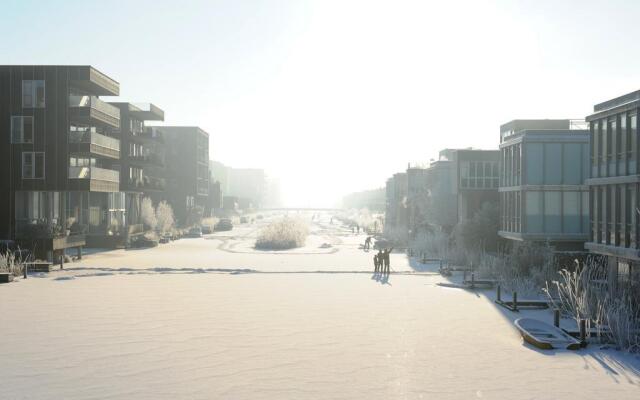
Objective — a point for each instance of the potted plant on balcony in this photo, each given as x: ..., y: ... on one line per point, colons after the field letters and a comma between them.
x: 78, y: 229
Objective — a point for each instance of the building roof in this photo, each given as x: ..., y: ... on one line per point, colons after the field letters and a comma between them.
x: 616, y: 105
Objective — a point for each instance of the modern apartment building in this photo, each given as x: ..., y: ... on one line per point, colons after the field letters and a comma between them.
x: 417, y: 194
x: 187, y: 180
x: 395, y: 222
x: 543, y: 192
x: 142, y: 159
x: 59, y: 155
x: 459, y: 184
x: 614, y: 185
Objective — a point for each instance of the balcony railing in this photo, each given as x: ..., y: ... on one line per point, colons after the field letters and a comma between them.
x: 94, y: 173
x: 147, y: 182
x: 152, y: 158
x: 94, y: 103
x: 95, y: 139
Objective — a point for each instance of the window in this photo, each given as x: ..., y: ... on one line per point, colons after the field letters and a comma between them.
x: 33, y: 94
x: 533, y: 211
x: 571, y: 212
x: 535, y: 162
x: 21, y: 129
x: 552, y: 212
x: 81, y: 162
x: 552, y: 156
x: 33, y: 165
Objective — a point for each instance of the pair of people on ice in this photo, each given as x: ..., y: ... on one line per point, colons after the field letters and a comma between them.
x: 381, y: 261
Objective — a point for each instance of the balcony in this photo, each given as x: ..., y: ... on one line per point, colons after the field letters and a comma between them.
x: 151, y: 159
x: 147, y: 112
x: 146, y: 183
x: 94, y: 179
x: 90, y: 80
x: 91, y: 110
x: 94, y: 143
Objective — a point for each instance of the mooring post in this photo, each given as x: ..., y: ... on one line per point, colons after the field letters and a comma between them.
x: 556, y: 318
x: 498, y: 294
x: 583, y: 331
x: 473, y: 279
x: 514, y: 303
x: 24, y: 270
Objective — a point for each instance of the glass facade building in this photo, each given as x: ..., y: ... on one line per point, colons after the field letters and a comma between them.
x: 614, y: 187
x: 543, y: 194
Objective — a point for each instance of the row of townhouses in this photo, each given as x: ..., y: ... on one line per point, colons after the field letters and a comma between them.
x: 75, y: 168
x: 571, y: 184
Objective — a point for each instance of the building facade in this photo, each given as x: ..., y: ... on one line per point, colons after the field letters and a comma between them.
x: 543, y: 192
x: 60, y: 151
x: 142, y: 159
x: 614, y: 185
x: 187, y: 179
x: 396, y: 217
x: 459, y: 184
x: 417, y: 194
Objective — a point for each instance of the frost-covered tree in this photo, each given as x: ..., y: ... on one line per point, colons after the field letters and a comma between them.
x: 148, y: 213
x: 164, y: 217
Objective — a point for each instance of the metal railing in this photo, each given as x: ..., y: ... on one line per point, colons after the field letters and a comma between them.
x: 95, y: 173
x: 95, y: 103
x: 94, y: 138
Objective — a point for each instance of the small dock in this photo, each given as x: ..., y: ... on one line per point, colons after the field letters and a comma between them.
x: 515, y: 305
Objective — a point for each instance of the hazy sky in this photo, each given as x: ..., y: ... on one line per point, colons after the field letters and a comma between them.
x: 334, y: 96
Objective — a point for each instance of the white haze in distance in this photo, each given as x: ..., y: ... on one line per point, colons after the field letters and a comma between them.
x: 332, y: 97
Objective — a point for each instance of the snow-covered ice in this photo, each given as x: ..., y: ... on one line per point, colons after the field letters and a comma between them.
x: 180, y: 322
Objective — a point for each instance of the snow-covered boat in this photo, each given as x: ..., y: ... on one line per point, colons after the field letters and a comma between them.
x: 545, y: 336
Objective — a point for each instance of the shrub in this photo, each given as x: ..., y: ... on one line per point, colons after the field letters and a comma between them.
x: 210, y: 222
x: 11, y: 263
x: 286, y: 233
x: 164, y: 217
x: 584, y: 294
x: 431, y: 245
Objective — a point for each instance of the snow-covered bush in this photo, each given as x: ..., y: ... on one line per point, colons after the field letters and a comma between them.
x: 431, y: 245
x: 11, y: 263
x: 148, y: 213
x: 209, y: 222
x: 285, y: 233
x: 579, y: 293
x: 164, y: 217
x: 584, y: 294
x: 622, y: 316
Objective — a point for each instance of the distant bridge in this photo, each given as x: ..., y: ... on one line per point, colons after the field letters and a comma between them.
x: 301, y: 209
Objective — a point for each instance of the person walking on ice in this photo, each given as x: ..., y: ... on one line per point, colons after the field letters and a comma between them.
x: 376, y: 264
x: 367, y: 243
x: 386, y: 260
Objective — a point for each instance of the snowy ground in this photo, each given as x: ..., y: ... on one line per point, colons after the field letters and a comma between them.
x: 213, y: 318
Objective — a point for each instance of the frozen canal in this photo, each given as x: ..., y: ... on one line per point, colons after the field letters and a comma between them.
x: 212, y: 318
